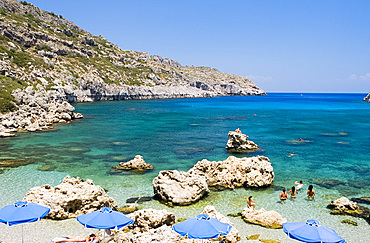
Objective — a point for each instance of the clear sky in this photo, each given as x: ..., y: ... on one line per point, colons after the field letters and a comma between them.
x: 303, y: 46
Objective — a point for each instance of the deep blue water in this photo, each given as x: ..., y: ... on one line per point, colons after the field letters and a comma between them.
x: 176, y: 133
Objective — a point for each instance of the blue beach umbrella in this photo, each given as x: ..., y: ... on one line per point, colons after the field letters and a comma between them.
x: 202, y: 227
x: 22, y: 212
x: 311, y: 231
x: 105, y: 218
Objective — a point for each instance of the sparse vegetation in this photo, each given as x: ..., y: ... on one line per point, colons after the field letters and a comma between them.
x: 7, y: 85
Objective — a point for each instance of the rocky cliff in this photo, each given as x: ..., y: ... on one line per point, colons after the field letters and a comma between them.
x: 62, y: 62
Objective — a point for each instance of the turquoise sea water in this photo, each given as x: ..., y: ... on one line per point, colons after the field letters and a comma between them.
x: 176, y: 133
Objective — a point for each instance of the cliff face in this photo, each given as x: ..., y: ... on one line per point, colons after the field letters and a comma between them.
x: 62, y: 62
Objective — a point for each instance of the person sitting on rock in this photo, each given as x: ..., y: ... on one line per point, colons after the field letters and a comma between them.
x: 283, y: 196
x: 310, y: 193
x: 91, y: 238
x: 251, y: 203
x: 238, y: 131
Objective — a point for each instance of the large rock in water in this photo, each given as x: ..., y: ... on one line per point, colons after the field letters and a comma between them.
x: 239, y: 143
x: 70, y: 199
x: 137, y: 164
x: 343, y: 206
x: 179, y: 187
x: 233, y: 235
x: 253, y: 172
x: 269, y: 219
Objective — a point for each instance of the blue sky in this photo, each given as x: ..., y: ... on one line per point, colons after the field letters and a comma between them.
x: 302, y: 46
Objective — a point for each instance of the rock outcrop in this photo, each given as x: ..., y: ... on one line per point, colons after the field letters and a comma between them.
x: 269, y: 219
x: 64, y: 63
x: 73, y: 197
x: 149, y: 225
x: 251, y: 172
x: 147, y: 219
x: 233, y: 236
x: 343, y: 206
x: 36, y: 111
x: 367, y: 98
x: 137, y: 164
x: 239, y: 143
x: 179, y: 187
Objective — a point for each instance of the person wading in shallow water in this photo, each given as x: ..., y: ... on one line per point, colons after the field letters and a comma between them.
x: 293, y: 193
x: 310, y: 193
x: 283, y: 196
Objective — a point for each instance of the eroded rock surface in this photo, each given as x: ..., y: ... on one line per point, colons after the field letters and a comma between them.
x: 269, y: 219
x: 239, y: 143
x: 73, y: 197
x: 136, y: 164
x: 179, y: 187
x: 252, y: 172
x: 343, y: 206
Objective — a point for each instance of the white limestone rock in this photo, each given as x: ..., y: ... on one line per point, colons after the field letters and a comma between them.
x: 137, y: 163
x: 269, y: 219
x: 239, y: 143
x: 251, y: 172
x: 73, y: 197
x: 179, y: 187
x: 343, y: 204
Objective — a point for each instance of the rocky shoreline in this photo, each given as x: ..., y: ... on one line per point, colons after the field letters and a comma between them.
x: 51, y: 61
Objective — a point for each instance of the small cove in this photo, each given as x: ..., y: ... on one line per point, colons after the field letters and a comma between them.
x: 176, y: 133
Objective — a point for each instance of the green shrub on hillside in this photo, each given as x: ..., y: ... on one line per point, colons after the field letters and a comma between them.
x: 7, y: 85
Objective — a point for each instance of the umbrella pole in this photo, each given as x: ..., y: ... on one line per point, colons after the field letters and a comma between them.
x: 103, y: 236
x: 22, y: 233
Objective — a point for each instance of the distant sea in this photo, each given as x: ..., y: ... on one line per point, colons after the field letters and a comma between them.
x: 174, y: 134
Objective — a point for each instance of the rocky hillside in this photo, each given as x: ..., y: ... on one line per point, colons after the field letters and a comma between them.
x: 45, y: 59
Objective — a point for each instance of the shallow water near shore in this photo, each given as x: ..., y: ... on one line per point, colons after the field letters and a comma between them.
x: 174, y: 134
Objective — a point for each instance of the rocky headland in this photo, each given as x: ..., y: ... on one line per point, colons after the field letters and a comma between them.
x: 367, y: 97
x: 51, y: 60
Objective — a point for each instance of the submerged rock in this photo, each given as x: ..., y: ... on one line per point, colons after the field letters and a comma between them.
x: 136, y: 164
x: 348, y: 221
x: 179, y: 187
x: 239, y: 143
x: 251, y: 172
x: 269, y: 219
x: 343, y: 206
x: 14, y: 163
x: 364, y: 200
x: 73, y: 197
x: 327, y: 183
